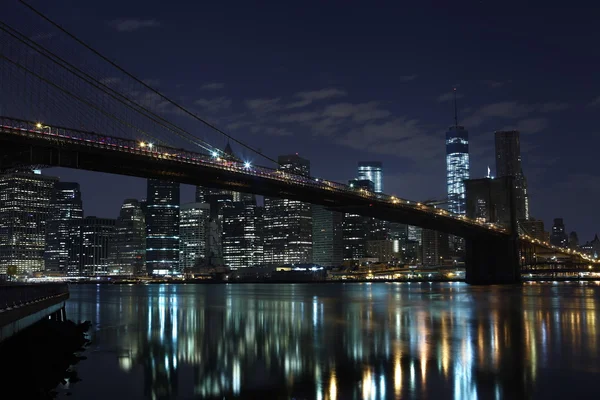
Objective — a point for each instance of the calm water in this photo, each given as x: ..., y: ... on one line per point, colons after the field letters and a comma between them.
x: 339, y: 341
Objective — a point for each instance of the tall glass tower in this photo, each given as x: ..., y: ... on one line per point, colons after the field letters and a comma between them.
x: 457, y: 167
x: 162, y: 227
x: 371, y: 171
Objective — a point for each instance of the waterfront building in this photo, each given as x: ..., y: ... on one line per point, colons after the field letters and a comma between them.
x: 25, y: 208
x: 592, y: 248
x: 534, y: 228
x: 385, y: 251
x: 162, y: 227
x: 242, y: 242
x: 435, y: 247
x: 63, y: 229
x: 193, y: 235
x: 96, y: 239
x: 288, y: 223
x: 327, y: 237
x: 128, y: 249
x: 489, y: 200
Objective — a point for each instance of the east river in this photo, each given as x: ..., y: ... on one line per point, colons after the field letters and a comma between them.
x: 338, y: 341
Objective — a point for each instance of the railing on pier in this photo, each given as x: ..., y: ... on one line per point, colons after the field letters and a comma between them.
x: 16, y: 295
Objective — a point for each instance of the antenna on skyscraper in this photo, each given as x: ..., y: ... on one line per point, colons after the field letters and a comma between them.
x: 455, y: 110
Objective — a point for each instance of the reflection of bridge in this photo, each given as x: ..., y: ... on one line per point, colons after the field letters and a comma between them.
x: 48, y: 83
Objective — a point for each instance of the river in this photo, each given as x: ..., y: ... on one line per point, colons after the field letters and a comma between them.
x: 338, y: 341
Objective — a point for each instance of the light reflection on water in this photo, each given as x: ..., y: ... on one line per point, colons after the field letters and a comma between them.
x: 337, y: 341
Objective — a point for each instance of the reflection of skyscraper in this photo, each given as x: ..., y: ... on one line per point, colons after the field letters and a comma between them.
x: 327, y: 237
x: 508, y: 163
x: 288, y: 223
x: 63, y: 229
x: 24, y: 211
x: 162, y: 227
x: 128, y: 250
x: 372, y: 171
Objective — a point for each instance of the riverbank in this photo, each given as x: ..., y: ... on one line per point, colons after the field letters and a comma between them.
x: 41, y: 357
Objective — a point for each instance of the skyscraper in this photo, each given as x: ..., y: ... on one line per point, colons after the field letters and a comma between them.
x: 558, y: 236
x: 242, y: 242
x: 327, y: 237
x: 193, y: 235
x: 162, y: 227
x: 372, y: 171
x: 128, y: 249
x: 24, y: 212
x: 96, y: 239
x: 288, y: 223
x: 457, y: 167
x: 63, y: 229
x: 508, y: 163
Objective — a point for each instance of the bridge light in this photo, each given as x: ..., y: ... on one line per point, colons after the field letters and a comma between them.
x: 38, y: 125
x: 142, y: 144
x: 214, y: 154
x: 150, y: 145
x: 247, y: 165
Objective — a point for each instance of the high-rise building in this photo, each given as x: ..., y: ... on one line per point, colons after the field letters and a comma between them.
x: 193, y: 235
x: 96, y: 239
x: 457, y: 167
x: 386, y: 250
x: 534, y: 228
x: 435, y: 247
x: 128, y: 248
x: 24, y: 211
x: 355, y: 233
x: 508, y: 163
x: 162, y: 227
x: 573, y: 241
x: 288, y: 223
x: 242, y: 242
x: 327, y: 236
x: 214, y: 246
x: 489, y: 200
x: 592, y: 248
x: 558, y: 236
x: 372, y: 171
x: 63, y: 229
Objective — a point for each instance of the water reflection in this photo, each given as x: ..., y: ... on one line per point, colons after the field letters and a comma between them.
x: 352, y: 341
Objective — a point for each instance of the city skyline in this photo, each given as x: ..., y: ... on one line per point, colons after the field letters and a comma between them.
x: 394, y: 110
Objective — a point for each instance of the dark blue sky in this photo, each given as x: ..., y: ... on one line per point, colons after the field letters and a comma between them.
x: 340, y: 82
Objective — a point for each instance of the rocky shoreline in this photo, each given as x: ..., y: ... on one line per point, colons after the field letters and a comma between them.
x: 38, y: 359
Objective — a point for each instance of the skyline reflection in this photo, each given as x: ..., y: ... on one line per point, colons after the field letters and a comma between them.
x: 335, y: 341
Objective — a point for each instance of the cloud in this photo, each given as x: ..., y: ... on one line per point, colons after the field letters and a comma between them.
x: 552, y: 106
x: 264, y: 105
x: 307, y: 98
x: 595, y: 102
x: 212, y: 86
x: 361, y: 112
x: 505, y: 109
x: 448, y: 97
x: 133, y: 24
x: 299, y: 117
x: 270, y: 130
x: 408, y: 78
x: 529, y: 125
x: 214, y: 105
x: 496, y: 84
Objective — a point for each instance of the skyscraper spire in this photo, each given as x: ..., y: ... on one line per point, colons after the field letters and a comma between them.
x: 455, y: 110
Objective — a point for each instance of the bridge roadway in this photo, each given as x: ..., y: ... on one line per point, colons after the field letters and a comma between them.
x: 25, y: 143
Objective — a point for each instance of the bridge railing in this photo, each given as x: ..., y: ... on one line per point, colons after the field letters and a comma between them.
x: 15, y: 295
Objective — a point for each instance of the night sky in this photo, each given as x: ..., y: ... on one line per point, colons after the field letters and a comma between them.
x: 339, y: 82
